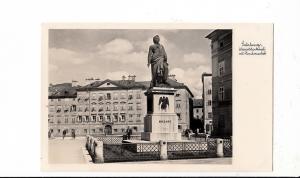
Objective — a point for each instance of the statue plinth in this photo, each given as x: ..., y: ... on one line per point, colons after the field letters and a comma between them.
x: 161, y: 121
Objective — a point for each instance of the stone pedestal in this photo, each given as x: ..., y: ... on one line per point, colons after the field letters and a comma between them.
x: 161, y: 121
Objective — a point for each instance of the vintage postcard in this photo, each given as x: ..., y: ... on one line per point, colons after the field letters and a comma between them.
x: 157, y: 97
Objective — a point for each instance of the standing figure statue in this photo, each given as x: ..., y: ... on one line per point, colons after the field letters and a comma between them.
x: 157, y: 57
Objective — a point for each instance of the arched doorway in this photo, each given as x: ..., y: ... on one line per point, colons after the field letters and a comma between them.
x: 107, y: 130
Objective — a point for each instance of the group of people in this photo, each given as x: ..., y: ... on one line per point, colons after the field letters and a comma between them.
x: 64, y: 133
x: 128, y: 134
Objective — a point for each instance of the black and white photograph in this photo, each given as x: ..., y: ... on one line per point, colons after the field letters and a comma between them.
x: 139, y: 96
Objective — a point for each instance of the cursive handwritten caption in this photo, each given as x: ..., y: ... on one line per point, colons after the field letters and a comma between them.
x: 252, y: 48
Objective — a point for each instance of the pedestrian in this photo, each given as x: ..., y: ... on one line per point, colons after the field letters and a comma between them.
x: 129, y: 132
x: 64, y: 134
x: 73, y: 134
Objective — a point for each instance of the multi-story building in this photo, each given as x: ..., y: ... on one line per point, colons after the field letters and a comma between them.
x: 221, y: 49
x: 111, y: 106
x: 62, y: 108
x: 197, y: 120
x: 207, y: 102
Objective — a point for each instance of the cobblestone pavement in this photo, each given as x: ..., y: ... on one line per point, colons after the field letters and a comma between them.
x: 67, y: 151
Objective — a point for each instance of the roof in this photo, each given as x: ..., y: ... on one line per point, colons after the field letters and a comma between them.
x: 197, y: 103
x: 63, y: 90
x: 130, y: 84
x: 214, y: 34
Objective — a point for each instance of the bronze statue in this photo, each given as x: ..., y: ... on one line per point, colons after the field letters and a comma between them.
x: 157, y: 57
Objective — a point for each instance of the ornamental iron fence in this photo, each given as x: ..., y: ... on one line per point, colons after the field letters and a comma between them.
x: 131, y: 152
x: 227, y: 148
x: 192, y: 150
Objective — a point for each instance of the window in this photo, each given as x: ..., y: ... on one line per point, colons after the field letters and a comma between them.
x: 138, y: 115
x: 87, y: 118
x: 73, y: 108
x: 100, y: 97
x: 178, y: 104
x: 58, y: 109
x: 108, y: 108
x: 130, y: 116
x: 58, y: 130
x: 73, y: 120
x: 108, y: 119
x: 93, y: 130
x: 100, y: 109
x: 115, y: 130
x: 66, y: 120
x: 130, y: 108
x: 139, y: 107
x: 85, y: 130
x: 123, y: 118
x: 51, y: 109
x: 108, y: 96
x: 207, y: 127
x: 209, y: 91
x: 58, y: 99
x: 58, y: 121
x: 115, y: 118
x: 94, y: 118
x: 179, y: 127
x: 179, y: 116
x: 138, y: 96
x: 197, y: 110
x: 115, y: 106
x: 209, y: 115
x: 94, y: 109
x: 221, y: 68
x: 209, y: 103
x: 100, y: 130
x: 130, y: 96
x: 115, y: 96
x: 221, y: 44
x: 177, y: 95
x: 79, y: 119
x: 86, y: 109
x: 123, y: 96
x: 100, y: 118
x: 221, y: 94
x: 135, y: 128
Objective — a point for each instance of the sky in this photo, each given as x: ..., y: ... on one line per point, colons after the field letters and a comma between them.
x: 77, y: 54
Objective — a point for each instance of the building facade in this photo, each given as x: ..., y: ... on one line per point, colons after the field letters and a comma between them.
x: 198, y: 121
x: 62, y: 108
x: 111, y: 106
x: 221, y: 49
x: 207, y: 102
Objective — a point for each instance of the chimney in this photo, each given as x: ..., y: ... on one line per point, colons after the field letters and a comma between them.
x: 74, y: 83
x: 129, y: 77
x: 133, y: 77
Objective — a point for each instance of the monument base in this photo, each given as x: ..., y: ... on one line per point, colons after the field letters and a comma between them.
x: 161, y: 121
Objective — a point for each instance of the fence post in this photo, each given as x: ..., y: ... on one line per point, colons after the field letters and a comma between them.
x: 92, y: 145
x: 163, y: 150
x: 87, y: 142
x: 220, y: 144
x: 98, y: 152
